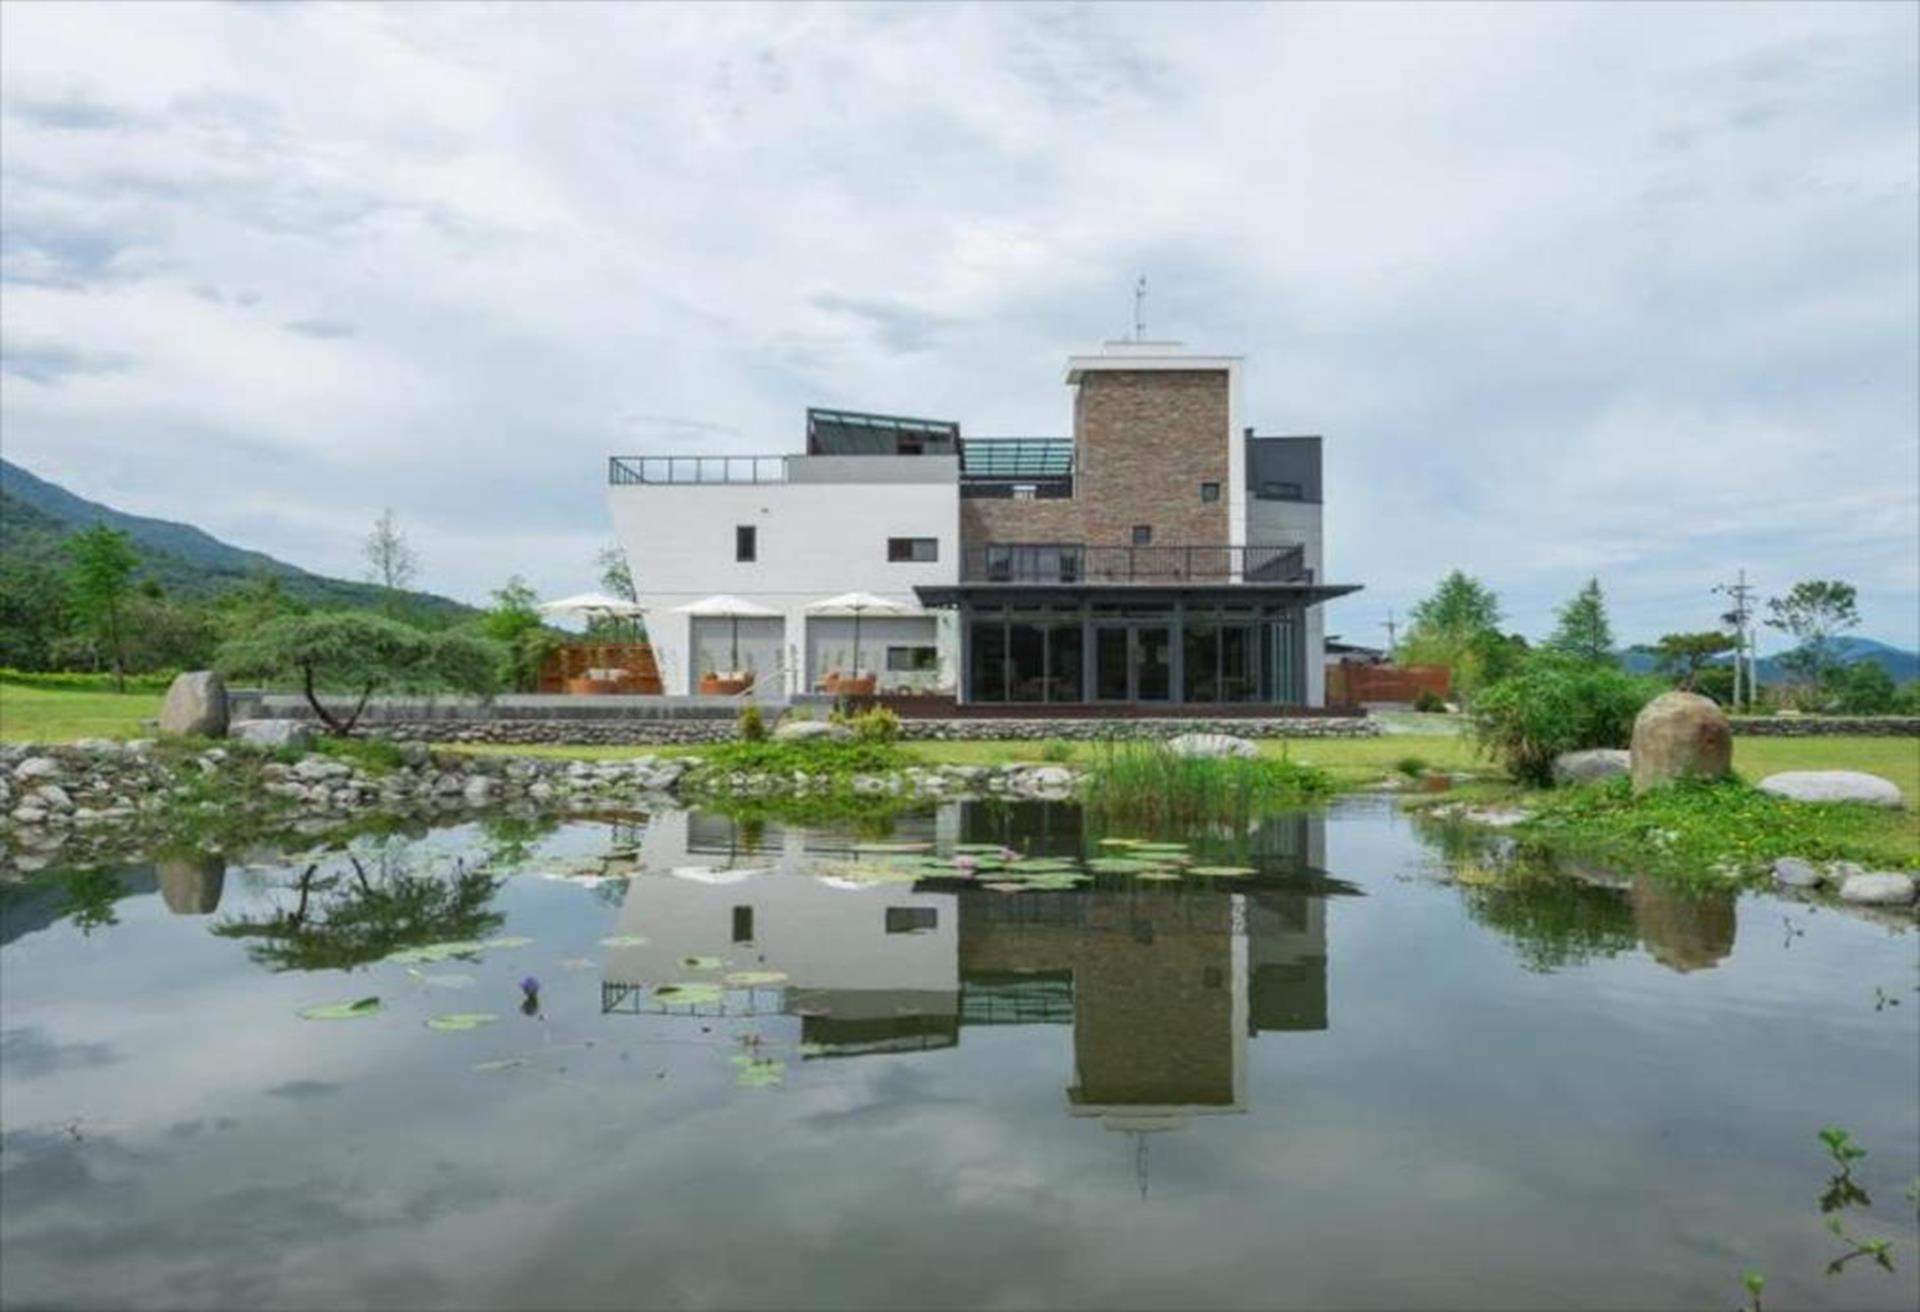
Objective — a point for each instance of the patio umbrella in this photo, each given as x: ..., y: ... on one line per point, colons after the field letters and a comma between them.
x: 725, y: 606
x: 856, y: 604
x: 591, y: 603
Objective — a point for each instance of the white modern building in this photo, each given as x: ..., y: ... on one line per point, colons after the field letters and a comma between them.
x: 1161, y: 555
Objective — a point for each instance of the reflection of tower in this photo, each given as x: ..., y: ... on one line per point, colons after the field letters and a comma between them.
x: 190, y: 884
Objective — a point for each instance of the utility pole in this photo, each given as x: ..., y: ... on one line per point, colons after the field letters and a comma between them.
x: 1741, y: 617
x: 1140, y: 309
x: 1390, y: 634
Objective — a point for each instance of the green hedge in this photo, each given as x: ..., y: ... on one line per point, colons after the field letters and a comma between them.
x: 83, y: 681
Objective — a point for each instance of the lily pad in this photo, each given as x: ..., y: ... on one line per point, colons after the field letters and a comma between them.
x: 1162, y: 876
x: 747, y: 979
x: 1003, y: 886
x: 1222, y: 872
x: 342, y: 1010
x: 432, y: 952
x: 506, y: 941
x: 688, y: 992
x: 893, y: 847
x: 456, y: 1021
x: 1120, y: 842
x: 501, y: 1064
x: 702, y: 963
x: 758, y: 1072
x: 624, y: 941
x: 448, y: 981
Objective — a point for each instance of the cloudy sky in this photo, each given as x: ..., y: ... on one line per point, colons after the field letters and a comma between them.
x: 1624, y: 290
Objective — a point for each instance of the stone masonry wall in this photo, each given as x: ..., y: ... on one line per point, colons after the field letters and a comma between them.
x: 1147, y: 439
x: 1826, y: 726
x: 668, y: 732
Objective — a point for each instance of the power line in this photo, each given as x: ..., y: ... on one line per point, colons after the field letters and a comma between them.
x: 1741, y: 617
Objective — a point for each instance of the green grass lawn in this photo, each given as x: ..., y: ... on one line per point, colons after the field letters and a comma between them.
x: 45, y: 715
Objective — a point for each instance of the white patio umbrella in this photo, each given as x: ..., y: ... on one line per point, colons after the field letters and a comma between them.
x: 708, y: 875
x: 855, y: 604
x: 726, y: 606
x: 591, y: 603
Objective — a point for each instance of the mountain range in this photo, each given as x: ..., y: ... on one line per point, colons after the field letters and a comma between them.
x: 1901, y: 664
x: 37, y: 516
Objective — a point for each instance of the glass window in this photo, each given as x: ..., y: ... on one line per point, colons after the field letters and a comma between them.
x: 1142, y: 535
x: 912, y: 920
x: 1281, y: 492
x: 913, y: 660
x: 1200, y: 663
x: 1063, y: 663
x: 1026, y: 663
x: 743, y: 924
x: 913, y: 549
x: 987, y: 662
x: 1237, y: 681
x: 1209, y: 491
x: 745, y: 544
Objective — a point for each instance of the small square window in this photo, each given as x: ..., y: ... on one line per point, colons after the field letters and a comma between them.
x: 1209, y: 491
x: 743, y: 924
x: 745, y: 542
x: 1143, y: 535
x: 913, y: 549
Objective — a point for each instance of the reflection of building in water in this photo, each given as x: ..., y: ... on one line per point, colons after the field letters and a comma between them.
x: 1162, y: 984
x: 1683, y: 931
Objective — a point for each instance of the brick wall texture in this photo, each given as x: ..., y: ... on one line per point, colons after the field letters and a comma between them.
x: 1146, y: 441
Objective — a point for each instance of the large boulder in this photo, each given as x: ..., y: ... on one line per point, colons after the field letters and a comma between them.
x: 1680, y: 735
x: 196, y: 704
x: 1833, y: 786
x: 800, y: 731
x: 1211, y: 745
x: 1885, y: 888
x: 1591, y: 766
x: 272, y: 733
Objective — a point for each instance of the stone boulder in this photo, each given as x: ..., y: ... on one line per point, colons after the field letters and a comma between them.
x: 801, y: 731
x: 1792, y: 872
x: 272, y: 733
x: 1833, y: 786
x: 1591, y: 766
x: 1680, y: 735
x: 1211, y: 745
x: 196, y: 704
x: 1881, y: 888
x: 36, y: 767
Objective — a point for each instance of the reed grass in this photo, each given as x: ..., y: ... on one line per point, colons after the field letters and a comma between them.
x: 1143, y: 783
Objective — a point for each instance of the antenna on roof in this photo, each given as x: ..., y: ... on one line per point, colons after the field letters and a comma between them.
x: 1140, y: 309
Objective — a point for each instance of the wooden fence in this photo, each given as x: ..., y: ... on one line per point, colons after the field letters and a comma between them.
x: 1355, y: 681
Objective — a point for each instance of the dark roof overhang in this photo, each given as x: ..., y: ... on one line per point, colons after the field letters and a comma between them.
x: 1064, y: 594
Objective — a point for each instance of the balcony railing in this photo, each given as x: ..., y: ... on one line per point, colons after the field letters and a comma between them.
x: 622, y: 470
x: 1077, y: 563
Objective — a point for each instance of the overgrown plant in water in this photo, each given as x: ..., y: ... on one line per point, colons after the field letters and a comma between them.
x: 1146, y: 783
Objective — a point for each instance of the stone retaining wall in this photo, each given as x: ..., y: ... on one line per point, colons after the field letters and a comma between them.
x: 1826, y: 726
x: 660, y: 733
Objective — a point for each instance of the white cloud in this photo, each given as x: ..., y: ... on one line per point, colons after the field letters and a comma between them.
x: 1569, y: 289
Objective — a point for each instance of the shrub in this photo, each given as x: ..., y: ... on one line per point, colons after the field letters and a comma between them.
x: 1429, y: 702
x: 77, y: 681
x: 878, y: 725
x: 1057, y: 752
x: 753, y: 728
x: 1554, y: 705
x: 1411, y: 766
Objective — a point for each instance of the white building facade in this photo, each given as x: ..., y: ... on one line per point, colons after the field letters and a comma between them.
x: 1162, y: 554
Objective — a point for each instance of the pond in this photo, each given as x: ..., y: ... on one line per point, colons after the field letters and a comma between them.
x: 671, y: 1060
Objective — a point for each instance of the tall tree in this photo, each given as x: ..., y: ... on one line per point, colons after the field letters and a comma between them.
x: 99, y: 583
x: 515, y: 624
x: 391, y: 561
x: 1814, y: 612
x: 1583, y: 630
x: 616, y: 576
x: 1459, y: 627
x: 1681, y: 656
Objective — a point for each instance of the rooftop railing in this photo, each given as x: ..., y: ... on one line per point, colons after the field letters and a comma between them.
x: 622, y: 470
x: 1078, y: 563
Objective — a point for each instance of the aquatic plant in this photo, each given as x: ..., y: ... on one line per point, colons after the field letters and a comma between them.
x: 354, y: 1010
x: 1145, y: 784
x: 1555, y: 704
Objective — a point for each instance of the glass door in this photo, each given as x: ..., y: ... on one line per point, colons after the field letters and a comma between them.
x: 1111, y: 662
x: 1152, y: 663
